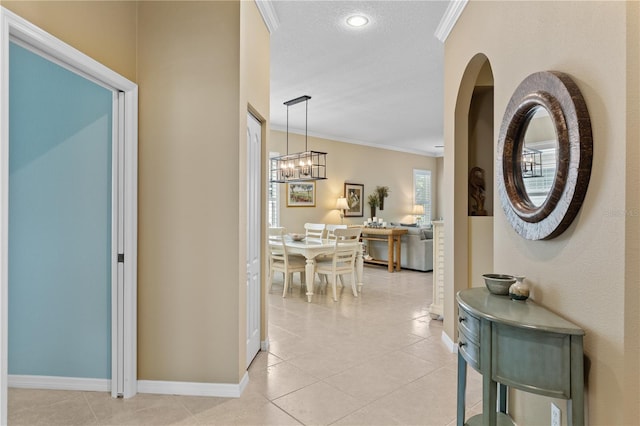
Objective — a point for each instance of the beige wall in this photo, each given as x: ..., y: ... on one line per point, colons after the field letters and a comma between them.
x: 589, y: 274
x: 202, y: 66
x: 189, y: 71
x: 355, y: 164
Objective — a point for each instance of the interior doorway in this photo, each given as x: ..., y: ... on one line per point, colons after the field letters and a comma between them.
x: 117, y: 161
x: 60, y: 215
x: 254, y: 148
x: 481, y: 159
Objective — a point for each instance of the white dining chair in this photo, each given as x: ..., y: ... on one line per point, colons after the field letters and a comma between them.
x: 314, y: 230
x: 331, y: 230
x: 330, y: 235
x: 341, y: 260
x: 281, y: 261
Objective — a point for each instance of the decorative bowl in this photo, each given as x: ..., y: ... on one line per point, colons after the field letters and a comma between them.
x: 297, y: 237
x: 498, y: 283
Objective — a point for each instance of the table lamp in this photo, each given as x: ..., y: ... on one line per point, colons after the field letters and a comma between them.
x: 342, y: 205
x: 418, y: 210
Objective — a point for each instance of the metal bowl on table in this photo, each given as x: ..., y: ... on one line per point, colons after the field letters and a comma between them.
x: 498, y: 283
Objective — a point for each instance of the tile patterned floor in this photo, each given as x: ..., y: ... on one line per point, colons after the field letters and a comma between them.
x: 372, y: 360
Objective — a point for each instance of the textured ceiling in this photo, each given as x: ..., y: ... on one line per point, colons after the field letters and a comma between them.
x: 380, y: 85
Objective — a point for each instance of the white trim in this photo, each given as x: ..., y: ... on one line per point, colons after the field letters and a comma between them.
x: 130, y: 242
x: 4, y: 213
x: 452, y: 347
x: 449, y: 19
x: 59, y: 383
x: 23, y: 30
x: 227, y: 390
x: 268, y: 14
x: 117, y: 216
x: 264, y: 345
x: 53, y: 59
x: 14, y: 27
x: 253, y: 238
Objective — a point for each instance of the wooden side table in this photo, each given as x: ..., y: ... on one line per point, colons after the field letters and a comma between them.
x: 520, y: 345
x: 392, y: 236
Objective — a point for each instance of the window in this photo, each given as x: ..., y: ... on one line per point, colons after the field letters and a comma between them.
x: 422, y: 193
x: 273, y: 206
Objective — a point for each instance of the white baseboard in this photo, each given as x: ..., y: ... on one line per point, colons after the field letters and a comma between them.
x: 144, y: 386
x: 453, y: 348
x: 59, y: 383
x: 194, y: 388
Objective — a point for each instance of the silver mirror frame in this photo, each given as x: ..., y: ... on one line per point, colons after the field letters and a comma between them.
x: 560, y: 96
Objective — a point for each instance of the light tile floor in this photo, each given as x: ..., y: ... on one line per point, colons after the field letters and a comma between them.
x: 372, y: 360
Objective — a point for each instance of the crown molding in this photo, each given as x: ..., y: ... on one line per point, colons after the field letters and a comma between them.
x: 268, y: 14
x: 449, y: 19
x: 424, y: 153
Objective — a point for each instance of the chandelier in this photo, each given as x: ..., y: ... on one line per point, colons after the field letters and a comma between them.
x: 531, y: 163
x: 299, y: 166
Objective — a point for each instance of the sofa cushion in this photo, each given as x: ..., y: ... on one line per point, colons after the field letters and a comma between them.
x: 415, y: 231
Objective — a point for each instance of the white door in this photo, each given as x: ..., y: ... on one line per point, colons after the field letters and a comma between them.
x: 254, y: 132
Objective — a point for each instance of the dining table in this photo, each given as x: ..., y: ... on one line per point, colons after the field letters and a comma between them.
x: 311, y: 248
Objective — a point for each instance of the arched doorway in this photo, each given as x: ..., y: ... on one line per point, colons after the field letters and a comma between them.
x: 469, y: 238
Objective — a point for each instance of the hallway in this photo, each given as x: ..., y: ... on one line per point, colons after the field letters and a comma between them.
x: 373, y: 360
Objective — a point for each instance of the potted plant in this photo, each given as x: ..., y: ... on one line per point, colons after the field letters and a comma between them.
x: 383, y: 192
x: 373, y: 203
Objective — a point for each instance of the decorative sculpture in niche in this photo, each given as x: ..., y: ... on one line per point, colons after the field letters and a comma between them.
x: 556, y: 95
x: 476, y: 191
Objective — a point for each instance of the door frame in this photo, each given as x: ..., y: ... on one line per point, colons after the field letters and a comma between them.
x: 254, y: 211
x: 13, y: 27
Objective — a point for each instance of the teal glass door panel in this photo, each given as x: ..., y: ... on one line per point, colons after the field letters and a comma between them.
x: 60, y: 139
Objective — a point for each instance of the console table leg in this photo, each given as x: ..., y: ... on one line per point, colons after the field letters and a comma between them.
x: 398, y: 253
x: 489, y: 402
x: 575, y: 406
x: 502, y: 398
x: 391, y: 262
x: 462, y: 388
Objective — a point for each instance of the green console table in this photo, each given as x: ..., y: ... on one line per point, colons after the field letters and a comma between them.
x: 520, y: 345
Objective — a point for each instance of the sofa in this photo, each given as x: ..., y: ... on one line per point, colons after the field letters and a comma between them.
x: 416, y: 248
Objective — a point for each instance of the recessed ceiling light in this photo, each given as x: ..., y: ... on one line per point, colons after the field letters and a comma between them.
x: 357, y: 20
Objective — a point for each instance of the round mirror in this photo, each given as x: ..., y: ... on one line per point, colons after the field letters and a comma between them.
x: 544, y: 155
x: 538, y: 156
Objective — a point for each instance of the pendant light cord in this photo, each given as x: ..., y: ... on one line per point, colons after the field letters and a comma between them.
x: 297, y: 100
x: 306, y: 126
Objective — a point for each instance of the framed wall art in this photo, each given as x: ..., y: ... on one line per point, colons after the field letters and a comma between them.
x: 301, y: 194
x: 353, y: 192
